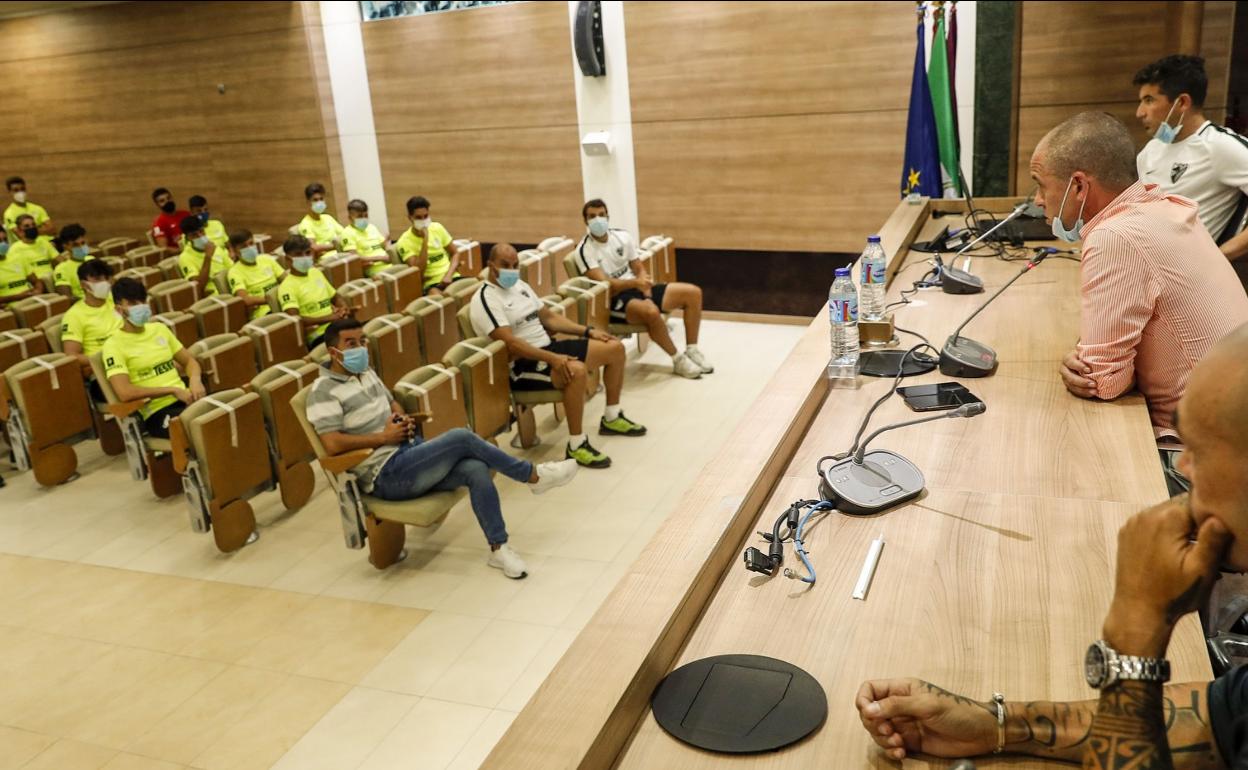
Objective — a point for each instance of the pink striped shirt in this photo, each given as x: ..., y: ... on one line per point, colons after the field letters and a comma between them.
x: 1157, y: 293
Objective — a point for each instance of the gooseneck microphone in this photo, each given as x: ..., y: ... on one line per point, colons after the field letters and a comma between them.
x: 961, y: 281
x: 869, y: 482
x: 963, y: 357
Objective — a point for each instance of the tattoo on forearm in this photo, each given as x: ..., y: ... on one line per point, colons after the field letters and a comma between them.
x: 1129, y: 730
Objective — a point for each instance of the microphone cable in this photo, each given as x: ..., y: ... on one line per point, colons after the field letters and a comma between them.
x: 799, y: 546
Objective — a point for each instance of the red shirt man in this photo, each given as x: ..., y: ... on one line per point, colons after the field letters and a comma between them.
x: 167, y: 227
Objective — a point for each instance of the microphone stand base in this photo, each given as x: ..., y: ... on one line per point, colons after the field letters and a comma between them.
x: 883, y: 480
x: 963, y: 357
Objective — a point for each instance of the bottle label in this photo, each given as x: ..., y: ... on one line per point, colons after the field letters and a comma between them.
x: 872, y: 271
x: 843, y: 311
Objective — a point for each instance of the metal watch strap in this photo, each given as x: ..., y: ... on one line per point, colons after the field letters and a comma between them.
x: 1141, y: 669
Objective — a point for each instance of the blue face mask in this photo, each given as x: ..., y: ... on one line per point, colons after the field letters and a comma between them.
x: 361, y: 223
x: 508, y: 278
x: 203, y: 217
x: 4, y: 248
x: 139, y: 315
x: 200, y: 243
x: 301, y: 264
x: 78, y: 252
x: 1059, y: 229
x: 599, y: 226
x: 355, y: 360
x: 318, y: 207
x: 249, y: 254
x: 1166, y: 133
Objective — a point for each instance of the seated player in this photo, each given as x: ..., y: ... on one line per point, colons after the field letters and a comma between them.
x: 363, y: 237
x: 73, y: 240
x: 321, y: 229
x: 307, y: 294
x: 428, y: 247
x: 253, y: 274
x: 212, y: 227
x: 167, y: 227
x: 88, y: 324
x: 15, y: 283
x: 201, y: 258
x: 36, y: 252
x: 23, y: 205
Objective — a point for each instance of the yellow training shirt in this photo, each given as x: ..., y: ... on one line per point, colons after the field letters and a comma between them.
x: 40, y: 258
x: 90, y: 326
x: 13, y: 274
x: 146, y: 357
x: 311, y: 295
x: 216, y: 233
x: 368, y: 242
x: 255, y: 280
x: 191, y: 260
x: 66, y: 274
x: 322, y: 232
x: 16, y: 210
x: 408, y: 246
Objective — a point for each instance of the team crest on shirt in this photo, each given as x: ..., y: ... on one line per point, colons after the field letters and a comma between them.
x: 1176, y: 171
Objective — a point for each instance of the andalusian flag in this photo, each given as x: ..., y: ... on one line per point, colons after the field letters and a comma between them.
x: 942, y: 106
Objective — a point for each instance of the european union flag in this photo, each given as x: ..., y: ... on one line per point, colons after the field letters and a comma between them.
x: 921, y: 171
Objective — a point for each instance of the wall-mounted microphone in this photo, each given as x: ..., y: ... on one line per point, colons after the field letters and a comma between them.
x: 963, y: 357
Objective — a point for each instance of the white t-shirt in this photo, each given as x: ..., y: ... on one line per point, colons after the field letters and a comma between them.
x: 615, y: 257
x: 1210, y: 167
x: 493, y: 307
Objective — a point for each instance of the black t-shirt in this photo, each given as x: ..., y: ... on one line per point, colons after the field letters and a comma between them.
x: 1228, y: 716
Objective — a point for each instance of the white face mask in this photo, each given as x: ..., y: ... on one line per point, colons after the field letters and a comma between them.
x: 99, y: 289
x: 422, y: 224
x: 20, y: 196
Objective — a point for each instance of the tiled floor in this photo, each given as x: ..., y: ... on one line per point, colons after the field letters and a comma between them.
x: 128, y: 642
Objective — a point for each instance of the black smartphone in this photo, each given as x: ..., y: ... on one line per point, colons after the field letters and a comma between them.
x: 933, y: 398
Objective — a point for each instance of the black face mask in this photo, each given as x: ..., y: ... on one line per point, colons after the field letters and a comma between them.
x: 30, y: 232
x: 169, y: 207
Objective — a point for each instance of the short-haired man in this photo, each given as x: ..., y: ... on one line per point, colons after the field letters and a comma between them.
x: 351, y: 409
x: 507, y: 309
x: 23, y: 205
x: 321, y: 229
x: 365, y: 239
x: 201, y: 258
x: 1156, y: 292
x: 15, y: 283
x: 1168, y: 558
x: 73, y: 240
x: 1189, y: 155
x: 36, y: 251
x: 609, y: 254
x: 89, y: 322
x: 253, y: 274
x: 167, y: 226
x: 141, y: 360
x: 428, y: 247
x: 213, y: 228
x: 306, y: 293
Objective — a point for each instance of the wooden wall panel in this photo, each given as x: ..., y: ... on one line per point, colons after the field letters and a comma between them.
x: 119, y: 99
x: 771, y: 126
x: 476, y: 111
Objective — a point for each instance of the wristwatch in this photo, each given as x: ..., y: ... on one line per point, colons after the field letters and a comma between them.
x: 1103, y: 666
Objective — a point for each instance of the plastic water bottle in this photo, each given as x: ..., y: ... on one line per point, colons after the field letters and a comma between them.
x: 843, y: 318
x: 871, y: 298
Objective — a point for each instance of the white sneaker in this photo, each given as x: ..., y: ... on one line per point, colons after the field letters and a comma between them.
x: 509, y: 562
x: 684, y: 366
x: 696, y: 356
x: 551, y: 475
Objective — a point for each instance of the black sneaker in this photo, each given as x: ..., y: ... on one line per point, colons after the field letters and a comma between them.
x: 587, y: 457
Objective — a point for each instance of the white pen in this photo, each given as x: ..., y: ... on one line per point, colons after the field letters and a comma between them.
x: 868, y: 568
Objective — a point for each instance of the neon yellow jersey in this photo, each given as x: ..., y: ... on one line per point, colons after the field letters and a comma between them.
x: 40, y: 258
x: 13, y: 274
x: 368, y: 242
x: 322, y: 232
x: 90, y: 326
x: 190, y: 261
x: 408, y: 246
x: 216, y: 233
x: 16, y: 210
x: 66, y: 274
x: 146, y: 357
x: 311, y: 295
x: 255, y: 280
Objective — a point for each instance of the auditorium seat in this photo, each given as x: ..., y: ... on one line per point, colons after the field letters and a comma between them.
x: 44, y: 405
x: 537, y: 269
x: 219, y: 314
x: 148, y: 276
x: 403, y: 285
x: 438, y: 328
x: 289, y: 451
x: 32, y: 311
x: 433, y: 390
x: 173, y: 294
x: 143, y: 256
x: 365, y: 297
x: 394, y: 346
x: 277, y: 337
x: 482, y: 365
x: 228, y: 361
x: 116, y: 246
x: 182, y: 324
x: 470, y: 261
x: 462, y: 290
x: 169, y: 268
x: 148, y: 456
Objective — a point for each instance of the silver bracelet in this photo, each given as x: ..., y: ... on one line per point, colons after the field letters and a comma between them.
x: 998, y: 700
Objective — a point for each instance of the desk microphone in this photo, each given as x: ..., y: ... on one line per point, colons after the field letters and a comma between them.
x: 962, y: 281
x: 963, y: 357
x: 869, y: 482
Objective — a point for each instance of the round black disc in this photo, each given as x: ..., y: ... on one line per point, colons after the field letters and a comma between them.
x: 883, y: 363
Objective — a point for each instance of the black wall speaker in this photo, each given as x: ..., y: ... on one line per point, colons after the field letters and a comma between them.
x: 587, y: 37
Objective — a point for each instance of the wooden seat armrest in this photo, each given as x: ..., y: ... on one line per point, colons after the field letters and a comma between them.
x: 420, y: 416
x: 127, y: 408
x: 346, y: 461
x: 4, y: 398
x: 180, y: 445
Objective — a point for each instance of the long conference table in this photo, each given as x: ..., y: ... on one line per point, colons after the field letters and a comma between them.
x: 995, y: 579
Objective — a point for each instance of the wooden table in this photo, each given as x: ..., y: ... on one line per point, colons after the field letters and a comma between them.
x: 997, y: 578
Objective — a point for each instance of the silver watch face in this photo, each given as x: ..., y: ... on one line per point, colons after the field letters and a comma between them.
x: 1095, y: 666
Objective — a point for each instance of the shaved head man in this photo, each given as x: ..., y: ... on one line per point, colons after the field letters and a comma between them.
x: 1168, y: 558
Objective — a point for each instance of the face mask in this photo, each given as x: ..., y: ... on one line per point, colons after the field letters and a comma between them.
x: 200, y: 243
x: 508, y: 278
x: 78, y: 252
x: 355, y: 360
x: 203, y: 217
x: 598, y: 226
x: 20, y: 196
x: 4, y: 248
x: 99, y: 289
x: 249, y: 254
x: 318, y: 207
x: 31, y: 233
x: 361, y: 223
x: 168, y: 207
x: 139, y: 314
x: 1059, y: 229
x: 421, y: 224
x: 301, y: 264
x: 1166, y: 133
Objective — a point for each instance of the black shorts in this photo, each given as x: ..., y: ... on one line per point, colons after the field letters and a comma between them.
x: 157, y: 423
x: 619, y: 302
x: 529, y: 374
x: 93, y: 389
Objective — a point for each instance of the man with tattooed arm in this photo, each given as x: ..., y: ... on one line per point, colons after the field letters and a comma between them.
x: 1168, y: 560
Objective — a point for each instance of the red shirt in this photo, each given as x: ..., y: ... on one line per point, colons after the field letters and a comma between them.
x: 170, y: 226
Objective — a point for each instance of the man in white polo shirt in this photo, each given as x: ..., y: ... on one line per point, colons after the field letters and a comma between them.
x: 1189, y: 155
x: 507, y: 309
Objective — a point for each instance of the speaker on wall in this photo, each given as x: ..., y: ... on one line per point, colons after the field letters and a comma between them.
x: 587, y: 37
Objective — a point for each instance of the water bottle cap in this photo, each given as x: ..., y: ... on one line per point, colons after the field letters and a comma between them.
x: 873, y: 239
x: 842, y: 272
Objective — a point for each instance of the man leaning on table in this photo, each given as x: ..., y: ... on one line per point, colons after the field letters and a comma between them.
x: 1168, y: 559
x: 1156, y: 292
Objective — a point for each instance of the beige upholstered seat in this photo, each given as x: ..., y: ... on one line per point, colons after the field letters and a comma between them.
x: 20, y: 344
x: 439, y: 330
x: 182, y: 324
x: 173, y: 294
x: 32, y: 311
x: 462, y: 290
x: 537, y: 269
x: 394, y: 345
x: 228, y: 361
x: 118, y: 245
x: 219, y: 314
x: 143, y: 256
x: 277, y: 337
x: 169, y: 268
x: 46, y: 409
x: 288, y: 446
x: 482, y: 364
x: 148, y: 456
x: 51, y: 329
x: 469, y: 255
x: 365, y: 297
x: 403, y: 284
x: 148, y: 276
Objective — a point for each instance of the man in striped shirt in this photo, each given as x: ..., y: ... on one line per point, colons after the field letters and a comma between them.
x: 1156, y: 291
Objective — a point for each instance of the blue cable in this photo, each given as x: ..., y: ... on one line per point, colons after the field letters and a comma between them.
x: 822, y: 505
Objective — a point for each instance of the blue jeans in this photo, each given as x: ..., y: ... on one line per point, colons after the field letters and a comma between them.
x: 457, y: 458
